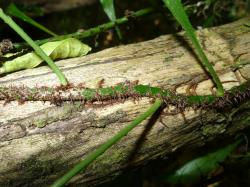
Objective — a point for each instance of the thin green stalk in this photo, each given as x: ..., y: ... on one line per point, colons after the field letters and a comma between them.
x: 82, y: 165
x: 91, y: 31
x: 176, y: 8
x: 37, y: 49
x: 118, y: 31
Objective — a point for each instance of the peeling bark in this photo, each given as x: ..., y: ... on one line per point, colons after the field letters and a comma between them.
x: 33, y: 156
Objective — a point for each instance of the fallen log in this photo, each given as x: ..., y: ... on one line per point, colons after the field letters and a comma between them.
x: 35, y: 156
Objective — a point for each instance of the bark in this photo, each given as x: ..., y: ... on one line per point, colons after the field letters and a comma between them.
x: 32, y: 156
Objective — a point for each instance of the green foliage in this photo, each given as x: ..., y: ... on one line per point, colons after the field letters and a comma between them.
x: 192, y: 171
x: 108, y: 7
x: 14, y: 11
x: 176, y: 8
x: 67, y: 48
x: 37, y: 49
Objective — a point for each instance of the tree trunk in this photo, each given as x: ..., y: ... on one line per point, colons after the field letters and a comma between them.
x: 32, y: 156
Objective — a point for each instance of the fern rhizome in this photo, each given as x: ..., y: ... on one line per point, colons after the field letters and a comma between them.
x: 121, y: 92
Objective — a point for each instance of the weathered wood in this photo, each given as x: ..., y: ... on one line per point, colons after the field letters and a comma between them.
x: 32, y: 156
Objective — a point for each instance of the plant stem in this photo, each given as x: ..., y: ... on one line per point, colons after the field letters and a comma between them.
x: 37, y: 49
x: 82, y: 165
x: 91, y: 31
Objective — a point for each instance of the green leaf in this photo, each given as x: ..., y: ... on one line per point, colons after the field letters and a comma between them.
x: 67, y: 48
x: 192, y: 171
x: 108, y: 7
x: 177, y: 9
x: 14, y: 11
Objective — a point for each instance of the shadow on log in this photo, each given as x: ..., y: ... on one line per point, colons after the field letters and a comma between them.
x: 33, y: 156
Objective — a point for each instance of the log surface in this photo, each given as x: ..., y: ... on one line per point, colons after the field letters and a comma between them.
x: 32, y: 156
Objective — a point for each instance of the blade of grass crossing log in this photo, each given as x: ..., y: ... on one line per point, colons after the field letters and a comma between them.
x: 177, y: 9
x: 82, y: 165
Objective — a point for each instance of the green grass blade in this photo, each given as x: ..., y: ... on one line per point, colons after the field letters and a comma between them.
x: 14, y: 11
x: 177, y: 9
x: 37, y: 49
x: 82, y: 165
x: 108, y: 7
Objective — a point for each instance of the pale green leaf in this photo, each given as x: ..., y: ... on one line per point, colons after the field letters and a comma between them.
x: 67, y: 48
